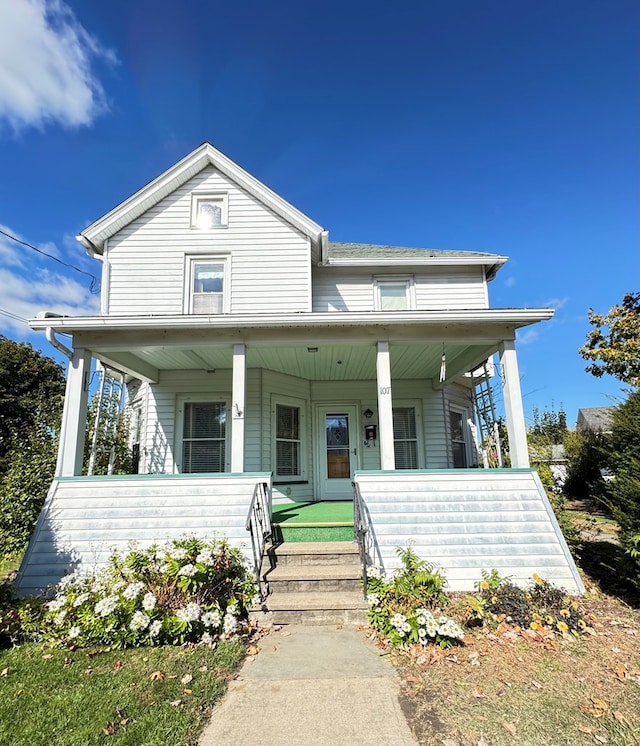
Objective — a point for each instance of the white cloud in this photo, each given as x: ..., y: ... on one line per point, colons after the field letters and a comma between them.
x: 527, y: 337
x: 46, y: 60
x: 510, y: 282
x: 556, y: 303
x: 28, y: 286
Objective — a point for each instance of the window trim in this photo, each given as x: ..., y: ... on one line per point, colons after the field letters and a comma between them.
x: 197, y: 198
x: 301, y: 405
x: 466, y: 435
x: 207, y: 398
x: 410, y: 290
x: 416, y: 405
x: 190, y: 261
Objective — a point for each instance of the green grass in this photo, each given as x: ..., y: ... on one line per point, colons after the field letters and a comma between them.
x: 328, y: 512
x: 54, y: 697
x: 9, y: 564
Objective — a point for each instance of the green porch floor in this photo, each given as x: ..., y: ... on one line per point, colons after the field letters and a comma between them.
x: 316, y: 521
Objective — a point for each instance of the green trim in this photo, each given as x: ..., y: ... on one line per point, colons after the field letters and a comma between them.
x: 412, y: 472
x: 200, y: 475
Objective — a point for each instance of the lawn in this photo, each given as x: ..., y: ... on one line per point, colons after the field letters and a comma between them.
x: 141, y: 697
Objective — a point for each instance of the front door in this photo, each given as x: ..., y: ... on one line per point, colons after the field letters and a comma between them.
x: 337, y: 439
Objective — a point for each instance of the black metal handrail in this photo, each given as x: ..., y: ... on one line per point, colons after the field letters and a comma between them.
x: 360, y: 530
x: 259, y: 524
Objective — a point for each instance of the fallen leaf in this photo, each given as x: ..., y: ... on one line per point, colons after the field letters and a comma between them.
x: 511, y: 727
x: 46, y: 656
x: 5, y: 672
x: 338, y: 626
x: 203, y: 668
x: 186, y: 679
x: 482, y: 742
x: 187, y: 691
x: 68, y: 661
x: 124, y: 721
x: 452, y: 658
x: 585, y: 728
x: 253, y: 650
x: 110, y: 729
x: 117, y: 665
x: 473, y: 658
x: 157, y: 676
x: 536, y: 684
x: 600, y: 739
x: 477, y: 692
x: 18, y: 693
x: 597, y: 709
x: 619, y: 716
x: 176, y: 703
x: 88, y: 671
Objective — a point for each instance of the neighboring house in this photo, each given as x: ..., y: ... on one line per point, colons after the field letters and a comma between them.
x: 595, y: 419
x: 258, y: 351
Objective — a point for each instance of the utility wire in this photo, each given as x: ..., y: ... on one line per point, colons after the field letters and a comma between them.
x: 4, y: 312
x: 94, y: 287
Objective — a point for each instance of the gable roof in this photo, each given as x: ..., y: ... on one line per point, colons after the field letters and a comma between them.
x: 94, y: 236
x: 595, y: 419
x: 358, y: 253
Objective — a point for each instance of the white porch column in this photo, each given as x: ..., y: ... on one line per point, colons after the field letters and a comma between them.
x: 237, y: 408
x: 385, y: 407
x: 74, y: 415
x: 516, y: 427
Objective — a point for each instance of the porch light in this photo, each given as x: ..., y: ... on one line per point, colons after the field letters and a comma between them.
x: 368, y: 413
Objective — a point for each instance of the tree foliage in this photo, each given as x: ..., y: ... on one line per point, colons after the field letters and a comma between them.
x: 613, y: 347
x: 31, y: 393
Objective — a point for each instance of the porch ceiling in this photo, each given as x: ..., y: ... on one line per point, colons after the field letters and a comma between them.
x: 338, y: 362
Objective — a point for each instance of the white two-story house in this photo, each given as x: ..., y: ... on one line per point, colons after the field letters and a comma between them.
x: 257, y: 351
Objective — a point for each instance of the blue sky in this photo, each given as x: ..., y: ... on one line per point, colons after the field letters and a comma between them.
x: 488, y: 125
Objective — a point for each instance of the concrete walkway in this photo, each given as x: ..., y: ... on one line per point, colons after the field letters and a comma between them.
x: 312, y: 686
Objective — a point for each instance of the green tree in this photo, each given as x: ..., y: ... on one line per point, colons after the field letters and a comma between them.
x: 31, y: 392
x: 613, y: 347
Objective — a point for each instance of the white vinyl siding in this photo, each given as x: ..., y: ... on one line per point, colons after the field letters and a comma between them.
x: 347, y: 289
x: 146, y: 259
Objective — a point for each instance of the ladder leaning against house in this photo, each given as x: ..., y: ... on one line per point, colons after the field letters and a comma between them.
x: 487, y: 433
x: 108, y: 409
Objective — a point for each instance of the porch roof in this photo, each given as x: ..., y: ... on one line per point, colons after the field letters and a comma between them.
x: 314, y: 346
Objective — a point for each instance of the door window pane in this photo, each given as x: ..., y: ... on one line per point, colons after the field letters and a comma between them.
x: 337, y: 438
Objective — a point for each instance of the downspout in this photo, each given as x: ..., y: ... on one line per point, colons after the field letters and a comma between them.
x: 51, y: 335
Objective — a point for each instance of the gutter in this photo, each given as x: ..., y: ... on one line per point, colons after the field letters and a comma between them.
x: 51, y: 335
x: 92, y: 250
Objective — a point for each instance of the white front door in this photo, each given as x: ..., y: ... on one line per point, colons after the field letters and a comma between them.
x: 338, y: 440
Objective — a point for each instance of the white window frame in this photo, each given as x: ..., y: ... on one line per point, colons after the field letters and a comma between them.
x: 382, y: 281
x: 221, y: 199
x: 190, y: 261
x: 466, y: 435
x: 414, y: 404
x: 301, y: 405
x: 222, y: 398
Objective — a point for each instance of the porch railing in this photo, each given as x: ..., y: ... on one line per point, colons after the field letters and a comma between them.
x: 259, y: 525
x: 360, y: 529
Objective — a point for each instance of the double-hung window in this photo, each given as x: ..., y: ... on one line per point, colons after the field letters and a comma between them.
x: 405, y: 437
x: 206, y: 290
x: 458, y: 435
x: 394, y: 294
x: 204, y: 426
x: 289, y: 426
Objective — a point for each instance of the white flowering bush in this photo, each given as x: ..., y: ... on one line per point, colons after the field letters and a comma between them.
x: 186, y: 591
x: 404, y: 607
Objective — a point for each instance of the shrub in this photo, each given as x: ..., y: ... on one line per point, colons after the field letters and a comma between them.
x: 405, y: 607
x: 541, y: 606
x: 187, y: 591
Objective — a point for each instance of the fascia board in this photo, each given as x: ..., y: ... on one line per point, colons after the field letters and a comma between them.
x: 515, y: 317
x: 490, y: 261
x: 177, y: 175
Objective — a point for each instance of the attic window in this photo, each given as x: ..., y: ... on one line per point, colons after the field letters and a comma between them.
x: 209, y: 211
x: 394, y: 294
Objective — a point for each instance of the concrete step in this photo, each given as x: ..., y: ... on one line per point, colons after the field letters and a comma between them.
x: 312, y: 608
x: 313, y: 553
x: 309, y: 578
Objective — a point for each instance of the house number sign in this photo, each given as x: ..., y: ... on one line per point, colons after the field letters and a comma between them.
x: 384, y: 390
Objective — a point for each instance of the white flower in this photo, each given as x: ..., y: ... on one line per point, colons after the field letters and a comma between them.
x: 74, y: 632
x: 132, y: 590
x: 154, y: 629
x: 106, y: 605
x: 373, y: 599
x: 59, y: 619
x: 139, y: 621
x: 205, y: 557
x: 80, y: 599
x: 406, y: 627
x: 232, y: 609
x: 149, y: 601
x: 374, y: 572
x: 57, y: 603
x: 206, y: 638
x: 177, y: 553
x: 211, y: 618
x: 188, y: 570
x: 190, y: 613
x: 397, y: 621
x: 230, y: 624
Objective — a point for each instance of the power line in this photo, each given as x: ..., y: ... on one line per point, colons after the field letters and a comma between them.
x: 94, y: 287
x: 4, y: 312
